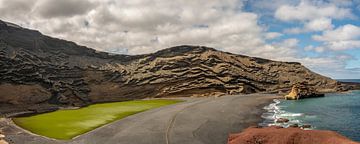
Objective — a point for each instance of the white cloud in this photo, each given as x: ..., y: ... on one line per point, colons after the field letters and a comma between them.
x: 272, y: 35
x: 315, y: 25
x: 319, y: 24
x: 15, y: 10
x: 306, y: 11
x: 332, y: 66
x: 295, y: 30
x: 313, y: 15
x: 278, y: 50
x: 318, y: 49
x: 343, y: 45
x: 309, y: 48
x: 290, y: 43
x: 144, y: 26
x: 342, y: 33
x: 343, y: 38
x: 62, y: 8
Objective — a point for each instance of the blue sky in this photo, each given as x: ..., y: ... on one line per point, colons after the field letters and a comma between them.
x: 274, y: 24
x: 324, y: 35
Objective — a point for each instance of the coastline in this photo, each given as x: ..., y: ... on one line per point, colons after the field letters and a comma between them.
x: 215, y: 119
x: 254, y: 103
x: 274, y: 112
x: 278, y: 112
x: 294, y: 126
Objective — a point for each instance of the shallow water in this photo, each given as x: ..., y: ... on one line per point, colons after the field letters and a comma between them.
x: 339, y: 112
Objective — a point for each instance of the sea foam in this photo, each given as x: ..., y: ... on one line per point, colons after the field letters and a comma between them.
x: 274, y: 111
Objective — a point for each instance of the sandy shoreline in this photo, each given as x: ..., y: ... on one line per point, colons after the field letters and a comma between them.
x: 192, y: 121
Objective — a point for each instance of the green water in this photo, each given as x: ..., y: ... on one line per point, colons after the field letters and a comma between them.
x: 66, y: 124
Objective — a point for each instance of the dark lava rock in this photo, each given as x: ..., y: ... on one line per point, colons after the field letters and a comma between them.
x: 306, y: 126
x: 282, y: 120
x: 294, y: 125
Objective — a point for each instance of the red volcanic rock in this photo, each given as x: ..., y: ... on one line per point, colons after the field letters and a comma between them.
x: 2, y: 141
x: 277, y: 135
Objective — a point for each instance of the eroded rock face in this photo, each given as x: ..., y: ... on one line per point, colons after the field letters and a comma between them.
x: 278, y: 135
x: 301, y: 91
x: 56, y: 73
x: 19, y: 94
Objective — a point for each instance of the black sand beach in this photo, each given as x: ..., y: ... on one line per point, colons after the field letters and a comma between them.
x: 197, y: 121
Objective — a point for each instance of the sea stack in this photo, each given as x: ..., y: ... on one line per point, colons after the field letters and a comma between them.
x: 301, y: 91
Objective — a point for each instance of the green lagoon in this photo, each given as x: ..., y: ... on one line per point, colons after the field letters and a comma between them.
x: 66, y: 124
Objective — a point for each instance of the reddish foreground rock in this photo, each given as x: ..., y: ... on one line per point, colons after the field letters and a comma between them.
x: 278, y: 135
x: 1, y: 139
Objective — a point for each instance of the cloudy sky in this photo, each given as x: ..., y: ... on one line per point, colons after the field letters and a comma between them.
x: 324, y: 35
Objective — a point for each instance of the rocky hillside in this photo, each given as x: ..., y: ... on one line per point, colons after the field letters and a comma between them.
x: 38, y: 73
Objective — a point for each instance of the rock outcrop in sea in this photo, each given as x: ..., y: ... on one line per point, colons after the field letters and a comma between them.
x: 301, y: 91
x: 279, y: 135
x: 39, y: 73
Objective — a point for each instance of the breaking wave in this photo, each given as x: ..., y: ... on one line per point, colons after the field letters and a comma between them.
x: 274, y: 112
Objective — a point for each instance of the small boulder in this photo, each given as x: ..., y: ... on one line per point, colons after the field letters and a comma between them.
x: 282, y: 120
x: 306, y: 126
x: 294, y: 125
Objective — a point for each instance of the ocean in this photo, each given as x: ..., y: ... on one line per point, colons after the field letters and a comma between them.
x: 338, y: 112
x: 349, y: 80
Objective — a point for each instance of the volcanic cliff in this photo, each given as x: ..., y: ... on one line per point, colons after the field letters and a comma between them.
x: 38, y: 73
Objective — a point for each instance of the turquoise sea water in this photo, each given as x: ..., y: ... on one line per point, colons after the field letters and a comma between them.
x: 339, y: 112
